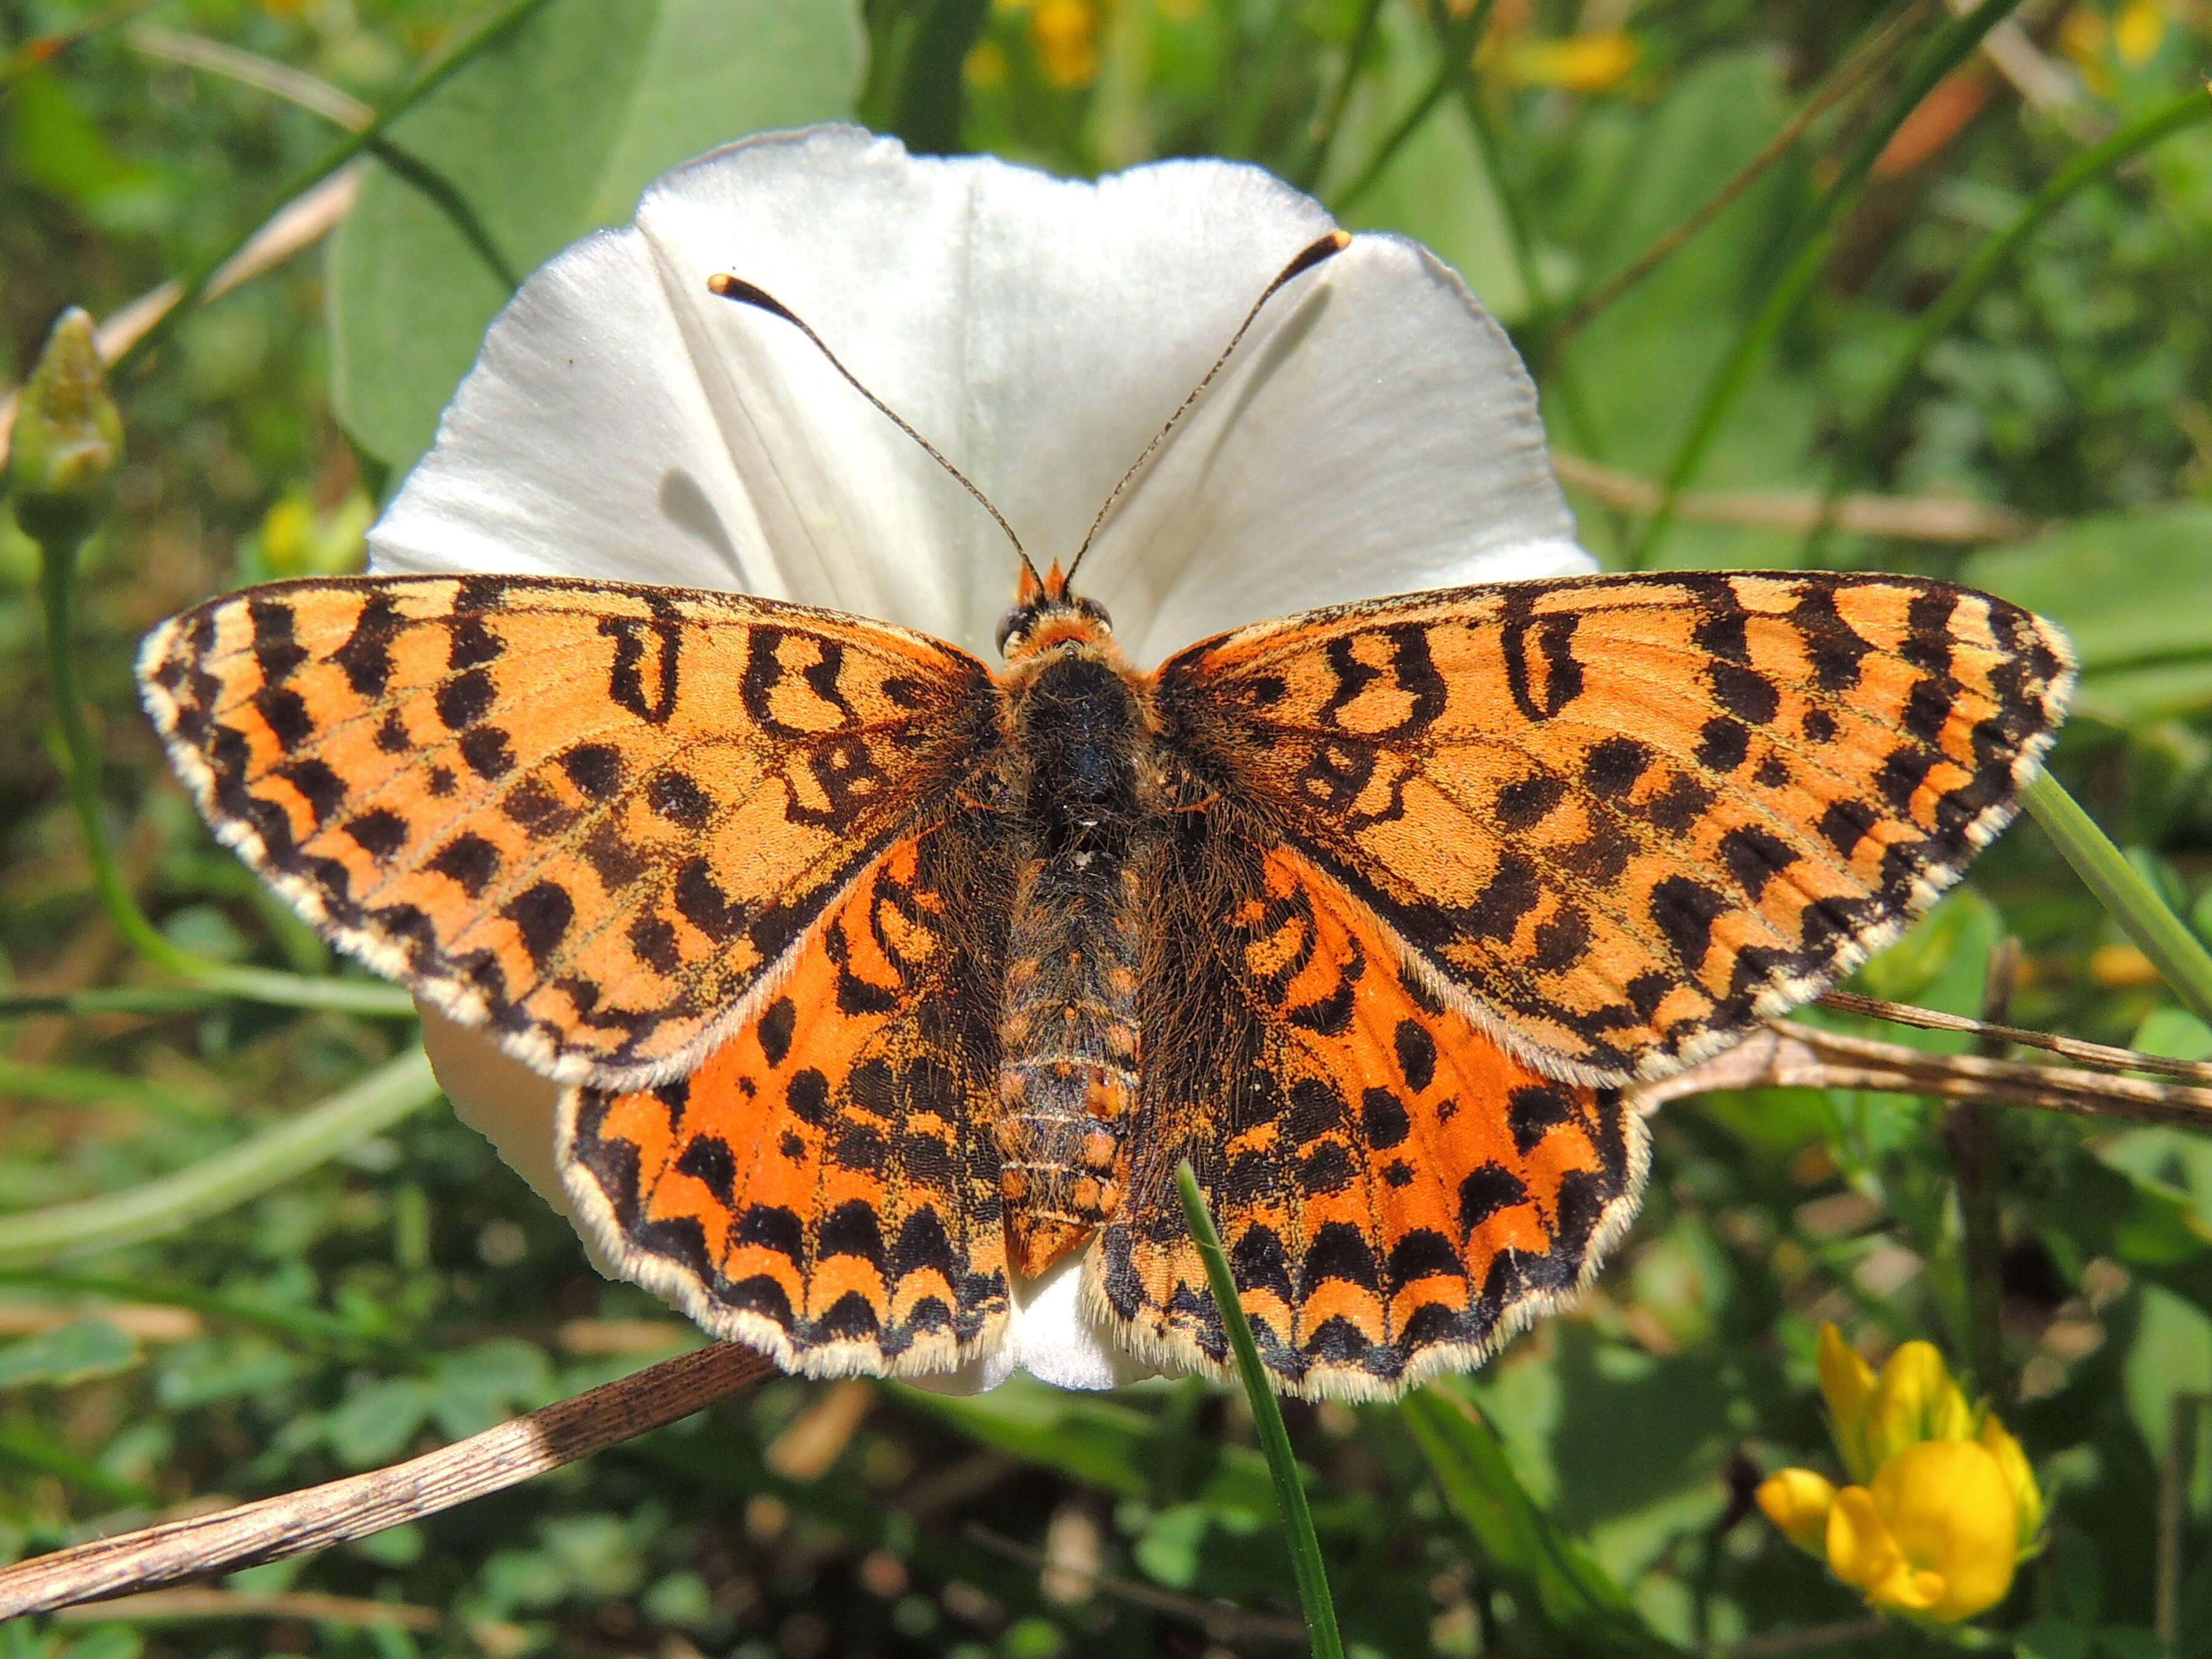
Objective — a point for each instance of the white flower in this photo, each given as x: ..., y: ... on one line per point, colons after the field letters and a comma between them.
x: 1375, y: 433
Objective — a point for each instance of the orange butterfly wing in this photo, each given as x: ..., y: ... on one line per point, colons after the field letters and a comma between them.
x: 825, y: 1187
x: 1615, y: 821
x: 1397, y: 1194
x: 593, y: 818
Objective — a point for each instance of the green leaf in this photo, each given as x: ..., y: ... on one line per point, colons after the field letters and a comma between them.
x: 1437, y: 189
x: 1550, y: 1575
x: 2054, y: 1639
x: 69, y: 1353
x: 373, y: 1424
x: 484, y: 1385
x: 550, y: 133
x: 2134, y: 593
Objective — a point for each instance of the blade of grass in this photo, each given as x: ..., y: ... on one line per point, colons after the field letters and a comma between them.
x: 1815, y: 237
x: 492, y: 25
x: 303, y: 1324
x: 1457, y: 43
x: 57, y: 565
x: 1267, y: 1416
x: 2177, y: 954
x: 2094, y: 163
x: 229, y: 1177
x: 86, y: 1085
x: 1322, y: 138
x: 1845, y: 78
x: 1517, y: 1543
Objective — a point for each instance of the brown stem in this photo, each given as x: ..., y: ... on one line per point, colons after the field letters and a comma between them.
x: 2101, y: 1055
x: 2173, y: 1514
x: 1940, y: 519
x: 1970, y: 1133
x: 1787, y: 1055
x: 276, y: 1528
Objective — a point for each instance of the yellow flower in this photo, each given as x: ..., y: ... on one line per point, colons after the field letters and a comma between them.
x: 1945, y: 1502
x: 2137, y: 31
x: 1914, y: 1400
x: 1797, y: 1500
x: 1936, y: 1535
x: 1847, y: 1384
x: 985, y: 64
x: 1581, y: 62
x: 2020, y: 1475
x: 1065, y: 33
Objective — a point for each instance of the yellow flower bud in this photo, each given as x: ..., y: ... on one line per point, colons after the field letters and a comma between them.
x: 67, y: 437
x: 1797, y: 1500
x: 1936, y: 1534
x: 2020, y: 1475
x: 1847, y: 1384
x: 1583, y: 63
x: 1914, y: 1400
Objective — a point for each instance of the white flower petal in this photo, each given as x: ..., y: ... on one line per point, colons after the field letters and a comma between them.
x: 623, y: 422
x: 1058, y: 1339
x: 498, y: 1097
x: 1375, y: 433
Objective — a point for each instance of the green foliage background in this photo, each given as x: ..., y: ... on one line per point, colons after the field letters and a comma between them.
x: 1588, y: 1492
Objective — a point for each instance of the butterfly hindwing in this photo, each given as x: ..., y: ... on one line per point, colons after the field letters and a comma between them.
x: 1617, y: 820
x: 1396, y: 1193
x: 591, y: 818
x: 825, y: 1187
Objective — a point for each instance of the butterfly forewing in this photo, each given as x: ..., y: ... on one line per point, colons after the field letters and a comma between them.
x: 593, y: 818
x: 1617, y: 820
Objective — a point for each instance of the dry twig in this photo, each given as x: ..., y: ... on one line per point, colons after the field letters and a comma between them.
x: 297, y: 1522
x: 1788, y: 1055
x: 2099, y: 1054
x: 1907, y: 517
x: 313, y: 1605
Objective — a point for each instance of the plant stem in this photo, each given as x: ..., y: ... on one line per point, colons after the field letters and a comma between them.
x: 57, y: 559
x: 2179, y: 956
x: 1815, y: 238
x: 1857, y: 457
x: 1267, y: 1416
x: 228, y: 1178
x: 303, y: 1324
x: 1846, y: 77
x: 1323, y: 138
x: 1457, y: 42
x: 427, y: 80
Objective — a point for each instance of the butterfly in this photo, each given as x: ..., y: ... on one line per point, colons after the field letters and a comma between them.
x: 877, y: 978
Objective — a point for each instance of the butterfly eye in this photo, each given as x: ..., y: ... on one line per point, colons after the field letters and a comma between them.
x: 1011, y: 624
x: 1096, y: 611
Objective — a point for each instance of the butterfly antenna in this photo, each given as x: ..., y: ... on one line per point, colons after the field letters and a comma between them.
x: 1327, y: 247
x: 745, y: 292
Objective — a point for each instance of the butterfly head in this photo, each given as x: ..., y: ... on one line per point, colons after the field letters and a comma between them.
x: 1045, y: 614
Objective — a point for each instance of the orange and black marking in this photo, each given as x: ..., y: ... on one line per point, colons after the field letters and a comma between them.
x: 826, y: 1186
x: 594, y: 819
x: 881, y: 980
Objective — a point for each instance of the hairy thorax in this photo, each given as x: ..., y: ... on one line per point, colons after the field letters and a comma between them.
x: 1085, y: 800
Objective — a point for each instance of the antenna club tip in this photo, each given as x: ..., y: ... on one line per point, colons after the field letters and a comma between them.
x: 1339, y: 240
x: 722, y: 284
